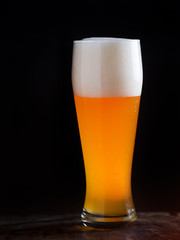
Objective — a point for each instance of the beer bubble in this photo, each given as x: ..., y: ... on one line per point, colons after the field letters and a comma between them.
x: 107, y: 67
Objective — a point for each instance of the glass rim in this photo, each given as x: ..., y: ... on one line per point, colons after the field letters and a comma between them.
x: 105, y: 40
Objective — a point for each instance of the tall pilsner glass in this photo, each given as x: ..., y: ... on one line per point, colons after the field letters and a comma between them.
x: 107, y: 84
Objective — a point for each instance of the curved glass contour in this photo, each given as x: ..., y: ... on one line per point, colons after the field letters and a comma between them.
x: 107, y: 85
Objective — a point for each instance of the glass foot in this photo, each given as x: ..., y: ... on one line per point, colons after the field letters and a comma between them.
x: 105, y: 222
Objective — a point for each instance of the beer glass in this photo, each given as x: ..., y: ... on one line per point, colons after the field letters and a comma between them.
x: 107, y: 84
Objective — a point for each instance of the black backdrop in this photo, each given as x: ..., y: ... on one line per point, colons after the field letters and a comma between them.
x: 41, y: 164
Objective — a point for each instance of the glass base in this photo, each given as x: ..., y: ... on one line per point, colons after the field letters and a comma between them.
x: 105, y: 222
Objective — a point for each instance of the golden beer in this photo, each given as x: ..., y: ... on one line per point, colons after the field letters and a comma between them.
x: 107, y: 124
x: 107, y: 129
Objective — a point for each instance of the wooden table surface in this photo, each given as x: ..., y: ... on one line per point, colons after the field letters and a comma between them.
x: 150, y: 225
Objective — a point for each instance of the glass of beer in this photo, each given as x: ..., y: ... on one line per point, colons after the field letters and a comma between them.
x: 107, y: 85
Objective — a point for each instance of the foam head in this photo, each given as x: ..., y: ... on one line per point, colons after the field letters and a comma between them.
x: 107, y: 67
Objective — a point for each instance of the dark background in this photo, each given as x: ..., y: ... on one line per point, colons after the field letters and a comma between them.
x: 41, y: 164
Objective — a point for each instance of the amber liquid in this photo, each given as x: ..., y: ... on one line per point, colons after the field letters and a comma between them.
x: 107, y: 129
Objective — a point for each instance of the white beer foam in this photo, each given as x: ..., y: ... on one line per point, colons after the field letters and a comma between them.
x: 107, y: 67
